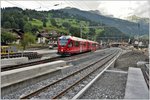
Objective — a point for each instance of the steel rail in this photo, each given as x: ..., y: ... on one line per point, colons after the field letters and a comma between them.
x: 69, y: 87
x: 80, y: 93
x: 39, y: 62
x: 47, y: 86
x: 29, y: 64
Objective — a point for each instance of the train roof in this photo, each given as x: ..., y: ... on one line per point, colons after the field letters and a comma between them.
x: 76, y: 38
x: 72, y: 38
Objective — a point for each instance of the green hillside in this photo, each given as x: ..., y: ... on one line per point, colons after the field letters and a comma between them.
x: 31, y: 21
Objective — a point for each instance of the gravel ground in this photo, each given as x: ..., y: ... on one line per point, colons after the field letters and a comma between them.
x: 130, y: 59
x: 71, y: 93
x: 60, y: 86
x: 108, y: 86
x: 17, y: 94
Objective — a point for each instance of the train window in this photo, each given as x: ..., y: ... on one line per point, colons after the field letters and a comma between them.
x: 63, y: 42
x: 76, y: 43
x: 70, y: 44
x: 94, y: 45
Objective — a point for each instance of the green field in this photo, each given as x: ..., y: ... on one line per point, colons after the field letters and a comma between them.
x: 59, y: 21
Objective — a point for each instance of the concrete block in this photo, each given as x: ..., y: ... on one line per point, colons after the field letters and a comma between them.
x: 13, y: 61
x: 22, y: 74
x: 136, y: 87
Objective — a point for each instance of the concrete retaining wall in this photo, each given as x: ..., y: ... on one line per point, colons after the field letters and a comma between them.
x: 22, y: 74
x: 13, y: 61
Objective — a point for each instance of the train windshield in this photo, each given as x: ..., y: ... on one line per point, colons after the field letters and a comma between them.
x: 63, y: 42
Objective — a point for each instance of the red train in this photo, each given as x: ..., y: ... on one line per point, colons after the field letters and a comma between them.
x: 68, y: 45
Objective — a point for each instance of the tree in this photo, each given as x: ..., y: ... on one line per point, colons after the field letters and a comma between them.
x: 7, y: 37
x: 27, y: 27
x: 11, y: 19
x: 25, y: 17
x: 66, y: 25
x: 30, y: 19
x: 44, y: 22
x: 92, y: 31
x: 34, y: 29
x: 75, y: 31
x: 14, y: 25
x: 7, y: 24
x: 27, y: 39
x: 53, y: 22
x: 21, y: 23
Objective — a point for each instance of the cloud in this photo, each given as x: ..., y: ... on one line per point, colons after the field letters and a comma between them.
x: 143, y: 9
x: 119, y: 9
x: 123, y: 9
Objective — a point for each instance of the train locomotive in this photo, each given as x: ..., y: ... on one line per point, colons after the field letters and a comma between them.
x: 68, y: 45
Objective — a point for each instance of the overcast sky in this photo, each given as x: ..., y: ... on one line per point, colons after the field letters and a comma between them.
x: 119, y: 9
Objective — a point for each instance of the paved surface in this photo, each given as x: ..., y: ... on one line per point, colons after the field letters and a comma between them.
x: 136, y: 87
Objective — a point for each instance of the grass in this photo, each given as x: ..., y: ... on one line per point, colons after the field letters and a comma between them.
x: 59, y: 21
x: 36, y: 22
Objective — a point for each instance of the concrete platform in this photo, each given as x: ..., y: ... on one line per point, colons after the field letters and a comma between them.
x: 18, y: 75
x: 42, y: 51
x: 13, y: 61
x: 136, y: 87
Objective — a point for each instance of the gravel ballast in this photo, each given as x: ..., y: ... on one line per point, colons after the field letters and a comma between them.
x: 109, y: 86
x: 33, y: 87
x: 130, y: 59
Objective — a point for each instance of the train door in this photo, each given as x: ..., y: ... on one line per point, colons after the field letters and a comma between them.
x: 70, y: 46
x: 81, y: 46
x: 77, y: 47
x: 88, y: 46
x: 84, y: 46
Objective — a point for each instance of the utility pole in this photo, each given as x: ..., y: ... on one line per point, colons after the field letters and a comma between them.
x: 80, y: 37
x: 138, y: 34
x: 80, y: 31
x: 69, y: 31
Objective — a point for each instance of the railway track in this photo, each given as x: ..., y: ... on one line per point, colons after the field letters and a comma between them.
x: 53, y: 90
x: 68, y: 59
x: 41, y: 62
x: 28, y: 64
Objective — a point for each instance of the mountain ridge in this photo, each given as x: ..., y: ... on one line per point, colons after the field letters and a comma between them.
x: 125, y: 26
